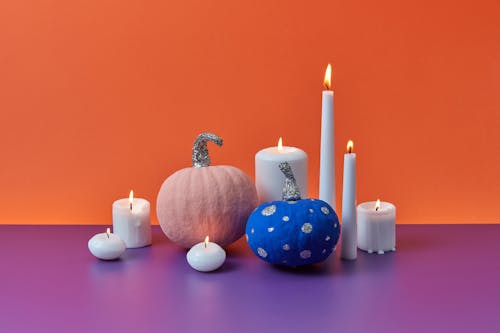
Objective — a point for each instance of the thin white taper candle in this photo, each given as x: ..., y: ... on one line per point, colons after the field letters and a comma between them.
x: 327, y: 157
x: 349, y: 239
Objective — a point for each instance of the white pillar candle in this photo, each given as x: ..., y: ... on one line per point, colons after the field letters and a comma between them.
x: 377, y: 226
x: 327, y: 153
x: 131, y: 221
x: 349, y: 239
x: 269, y: 179
x: 206, y: 256
x: 106, y: 246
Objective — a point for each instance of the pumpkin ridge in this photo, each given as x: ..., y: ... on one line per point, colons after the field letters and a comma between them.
x: 204, y: 208
x: 214, y: 191
x: 178, y: 205
x: 233, y: 174
x: 182, y: 212
x: 249, y: 188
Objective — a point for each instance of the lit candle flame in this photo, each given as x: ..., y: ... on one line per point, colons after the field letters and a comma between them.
x: 108, y: 231
x: 377, y: 205
x: 327, y: 82
x: 350, y: 146
x: 206, y: 241
x: 131, y: 198
x: 280, y: 144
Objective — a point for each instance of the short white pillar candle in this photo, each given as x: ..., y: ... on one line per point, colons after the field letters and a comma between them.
x: 377, y: 226
x: 206, y: 256
x: 131, y: 221
x: 106, y: 246
x: 268, y: 177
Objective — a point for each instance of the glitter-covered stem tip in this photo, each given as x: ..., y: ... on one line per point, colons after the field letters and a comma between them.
x: 200, y: 151
x: 291, y: 190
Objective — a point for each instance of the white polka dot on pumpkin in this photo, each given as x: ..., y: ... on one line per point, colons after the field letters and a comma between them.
x: 324, y: 251
x: 311, y: 210
x: 252, y: 231
x: 271, y: 229
x: 325, y: 210
x: 269, y: 210
x: 292, y: 202
x: 335, y: 225
x: 327, y: 238
x: 286, y: 218
x: 286, y: 247
x: 307, y: 228
x: 306, y: 254
x: 262, y: 252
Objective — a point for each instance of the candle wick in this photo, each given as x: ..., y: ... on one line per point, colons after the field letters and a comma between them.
x: 130, y: 206
x: 376, y: 208
x: 205, y: 244
x: 107, y: 235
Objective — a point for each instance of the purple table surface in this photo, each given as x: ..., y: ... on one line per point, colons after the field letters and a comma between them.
x: 442, y: 278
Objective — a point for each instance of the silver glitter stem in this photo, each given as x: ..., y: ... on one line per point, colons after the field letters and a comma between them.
x: 291, y: 190
x: 200, y: 151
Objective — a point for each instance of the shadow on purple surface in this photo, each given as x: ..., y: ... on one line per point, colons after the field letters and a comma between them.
x: 317, y: 269
x: 416, y: 242
x: 159, y: 238
x: 100, y: 267
x: 229, y: 266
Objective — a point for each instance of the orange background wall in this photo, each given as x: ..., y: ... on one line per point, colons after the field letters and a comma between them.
x: 98, y: 97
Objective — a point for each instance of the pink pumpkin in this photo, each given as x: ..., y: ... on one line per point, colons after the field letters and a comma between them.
x: 205, y: 200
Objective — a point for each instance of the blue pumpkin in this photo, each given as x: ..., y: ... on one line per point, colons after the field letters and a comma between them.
x: 295, y: 231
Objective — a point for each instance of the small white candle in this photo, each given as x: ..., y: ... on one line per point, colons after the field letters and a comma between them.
x: 206, y: 256
x: 349, y: 245
x: 268, y: 177
x: 327, y: 152
x: 106, y: 246
x: 131, y: 221
x: 377, y: 226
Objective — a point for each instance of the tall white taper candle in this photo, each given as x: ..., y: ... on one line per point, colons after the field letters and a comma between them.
x: 349, y: 237
x: 327, y: 160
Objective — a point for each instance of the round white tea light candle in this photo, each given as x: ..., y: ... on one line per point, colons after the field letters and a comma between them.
x: 106, y: 246
x: 131, y: 221
x: 268, y: 177
x: 376, y: 226
x: 206, y: 256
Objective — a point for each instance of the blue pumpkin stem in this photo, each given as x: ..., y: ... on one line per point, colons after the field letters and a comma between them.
x: 291, y: 190
x: 200, y: 156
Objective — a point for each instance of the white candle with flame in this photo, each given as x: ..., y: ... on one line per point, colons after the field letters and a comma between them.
x: 106, y: 246
x: 131, y: 221
x: 206, y: 256
x: 327, y: 152
x: 349, y: 237
x: 269, y: 179
x: 377, y: 226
